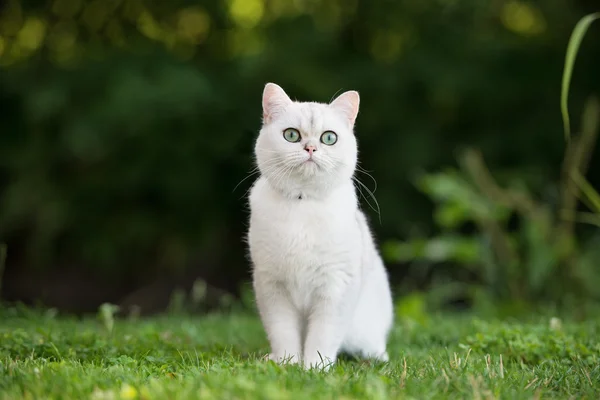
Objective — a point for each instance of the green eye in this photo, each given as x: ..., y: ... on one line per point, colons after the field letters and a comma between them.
x: 291, y: 135
x: 329, y: 138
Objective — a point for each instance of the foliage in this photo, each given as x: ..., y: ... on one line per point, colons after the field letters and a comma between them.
x: 531, y: 345
x: 126, y: 125
x: 520, y: 250
x: 572, y: 49
x: 587, y: 140
x: 538, y: 259
x: 220, y: 356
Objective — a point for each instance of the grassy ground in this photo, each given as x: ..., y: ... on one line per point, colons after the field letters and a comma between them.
x: 219, y: 357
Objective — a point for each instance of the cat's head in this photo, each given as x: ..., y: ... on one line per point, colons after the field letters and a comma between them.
x: 306, y: 147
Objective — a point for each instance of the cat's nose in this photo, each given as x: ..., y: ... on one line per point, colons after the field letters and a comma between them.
x: 311, y: 149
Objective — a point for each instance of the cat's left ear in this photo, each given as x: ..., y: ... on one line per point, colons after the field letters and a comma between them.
x: 347, y: 103
x: 274, y: 101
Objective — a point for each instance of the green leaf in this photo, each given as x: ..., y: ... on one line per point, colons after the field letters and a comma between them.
x: 588, y: 191
x: 584, y: 218
x: 572, y: 49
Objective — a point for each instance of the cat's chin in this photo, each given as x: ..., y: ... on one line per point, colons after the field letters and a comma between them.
x: 309, y: 167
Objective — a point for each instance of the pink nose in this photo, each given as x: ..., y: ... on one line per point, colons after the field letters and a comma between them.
x: 310, y: 149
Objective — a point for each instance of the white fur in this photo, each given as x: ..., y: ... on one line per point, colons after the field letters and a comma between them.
x: 320, y: 284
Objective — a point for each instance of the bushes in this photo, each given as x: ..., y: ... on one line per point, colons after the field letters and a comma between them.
x: 535, y: 257
x: 122, y: 159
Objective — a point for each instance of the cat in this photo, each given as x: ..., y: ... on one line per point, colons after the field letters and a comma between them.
x: 320, y: 284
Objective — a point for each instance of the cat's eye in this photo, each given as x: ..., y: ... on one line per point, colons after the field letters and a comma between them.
x: 291, y: 135
x: 329, y: 138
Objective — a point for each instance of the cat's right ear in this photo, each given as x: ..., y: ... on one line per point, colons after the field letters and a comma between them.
x: 274, y: 101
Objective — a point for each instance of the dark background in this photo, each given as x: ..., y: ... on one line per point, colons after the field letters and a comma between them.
x: 125, y: 126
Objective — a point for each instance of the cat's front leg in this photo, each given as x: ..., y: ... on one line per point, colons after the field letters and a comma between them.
x: 282, y: 324
x: 327, y: 325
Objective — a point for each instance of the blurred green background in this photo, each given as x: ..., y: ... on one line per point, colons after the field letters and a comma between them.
x: 127, y: 124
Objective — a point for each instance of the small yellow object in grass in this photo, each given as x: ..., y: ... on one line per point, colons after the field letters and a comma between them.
x: 128, y: 392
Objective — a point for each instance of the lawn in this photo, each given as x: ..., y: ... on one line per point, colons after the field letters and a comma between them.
x: 219, y: 356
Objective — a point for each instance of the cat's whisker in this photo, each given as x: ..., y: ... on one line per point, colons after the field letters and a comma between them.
x: 329, y: 162
x: 275, y: 177
x: 364, y: 172
x: 283, y: 173
x: 254, y: 171
x: 244, y: 179
x: 274, y: 168
x: 376, y: 208
x: 278, y: 169
x: 360, y: 193
x: 268, y: 170
x: 288, y: 174
x: 358, y: 165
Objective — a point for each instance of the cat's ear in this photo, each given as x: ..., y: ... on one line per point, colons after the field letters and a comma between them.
x: 274, y: 101
x: 347, y: 103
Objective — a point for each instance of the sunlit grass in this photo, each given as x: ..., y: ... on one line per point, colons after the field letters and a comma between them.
x: 221, y: 356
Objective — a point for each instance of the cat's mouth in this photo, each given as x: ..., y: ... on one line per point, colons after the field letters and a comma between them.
x: 310, y: 161
x: 310, y: 166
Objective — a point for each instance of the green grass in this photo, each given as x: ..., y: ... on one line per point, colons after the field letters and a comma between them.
x: 220, y: 357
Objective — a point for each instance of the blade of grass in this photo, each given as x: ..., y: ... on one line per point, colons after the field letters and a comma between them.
x: 585, y: 218
x: 572, y: 49
x: 577, y: 156
x: 586, y: 189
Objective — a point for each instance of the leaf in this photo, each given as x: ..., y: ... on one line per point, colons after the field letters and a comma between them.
x: 574, y: 42
x: 586, y: 188
x: 587, y: 218
x: 452, y: 188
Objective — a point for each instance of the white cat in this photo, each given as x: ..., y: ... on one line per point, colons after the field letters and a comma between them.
x: 320, y: 284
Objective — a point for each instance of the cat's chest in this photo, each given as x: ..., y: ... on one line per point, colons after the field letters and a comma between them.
x: 303, y: 236
x: 302, y: 228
